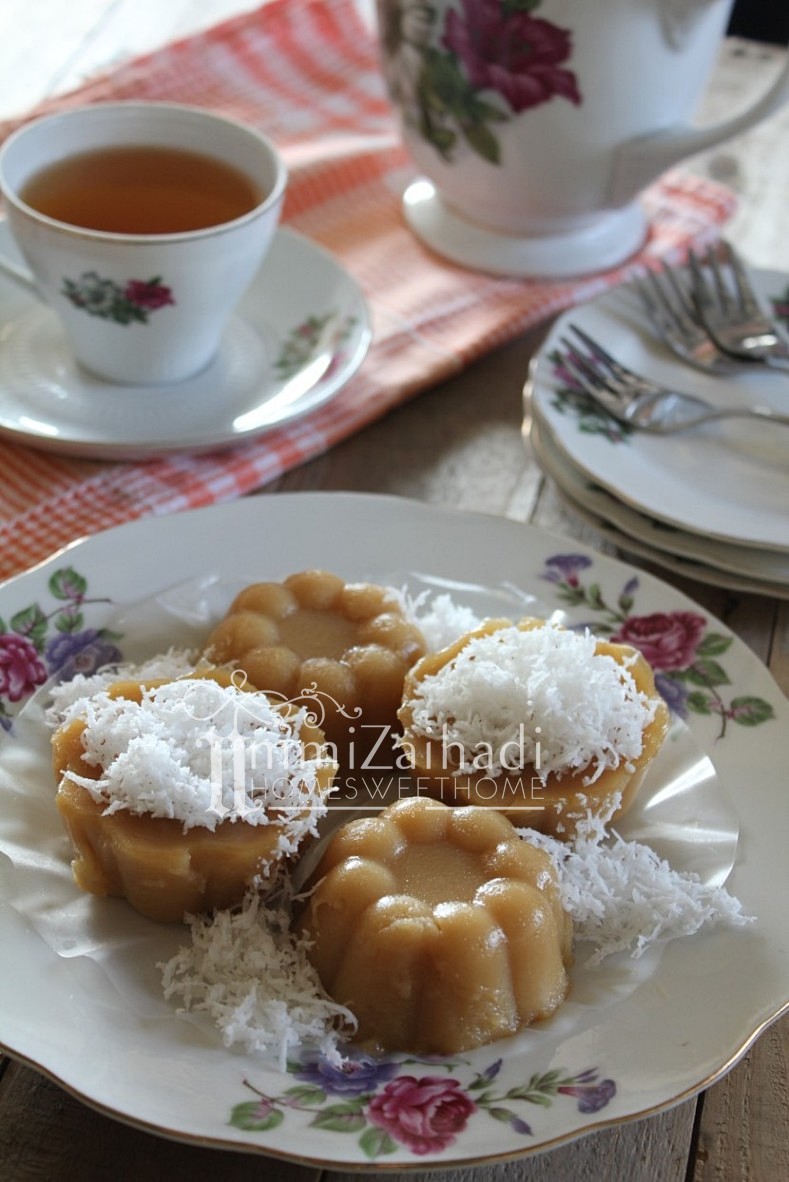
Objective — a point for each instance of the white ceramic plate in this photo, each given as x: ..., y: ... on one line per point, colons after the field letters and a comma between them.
x: 631, y: 547
x: 723, y: 564
x: 634, y: 1036
x: 728, y: 481
x: 298, y: 335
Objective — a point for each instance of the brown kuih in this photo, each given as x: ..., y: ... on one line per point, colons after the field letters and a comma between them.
x: 164, y: 870
x: 551, y: 804
x: 439, y: 928
x: 342, y: 649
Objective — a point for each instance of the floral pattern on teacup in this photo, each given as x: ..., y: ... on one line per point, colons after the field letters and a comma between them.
x: 455, y: 76
x: 130, y: 303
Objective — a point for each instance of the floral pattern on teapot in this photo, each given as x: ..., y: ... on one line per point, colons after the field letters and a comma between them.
x: 459, y: 74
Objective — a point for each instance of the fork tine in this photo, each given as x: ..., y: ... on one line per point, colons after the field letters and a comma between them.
x: 588, y: 380
x: 682, y: 299
x: 659, y: 308
x: 671, y: 308
x: 580, y: 365
x: 594, y: 348
x: 747, y: 296
x: 644, y: 406
x: 674, y: 306
x: 618, y: 371
x: 725, y: 301
x: 702, y: 292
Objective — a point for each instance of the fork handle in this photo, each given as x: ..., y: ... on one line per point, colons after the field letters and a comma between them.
x: 764, y: 413
x: 779, y: 364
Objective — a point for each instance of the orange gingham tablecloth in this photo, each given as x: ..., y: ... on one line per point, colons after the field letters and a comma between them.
x: 306, y: 73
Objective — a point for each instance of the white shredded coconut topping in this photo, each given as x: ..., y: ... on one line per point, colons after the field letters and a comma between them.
x: 199, y: 752
x: 622, y: 897
x: 163, y: 667
x: 245, y: 968
x: 440, y: 620
x: 251, y: 975
x: 545, y: 694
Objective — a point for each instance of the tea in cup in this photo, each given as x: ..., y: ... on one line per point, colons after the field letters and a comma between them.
x: 142, y: 224
x: 535, y: 124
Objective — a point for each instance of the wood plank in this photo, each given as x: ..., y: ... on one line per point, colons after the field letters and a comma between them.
x: 742, y: 1131
x: 68, y: 1140
x: 654, y: 1150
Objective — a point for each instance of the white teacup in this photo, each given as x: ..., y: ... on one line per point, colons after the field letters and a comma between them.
x: 536, y: 123
x: 142, y: 306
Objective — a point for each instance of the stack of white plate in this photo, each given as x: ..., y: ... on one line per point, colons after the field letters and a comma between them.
x: 712, y: 503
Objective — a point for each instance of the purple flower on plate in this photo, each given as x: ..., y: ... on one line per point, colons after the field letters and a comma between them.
x: 591, y: 1094
x: 70, y: 653
x: 355, y: 1076
x: 564, y: 568
x: 674, y: 693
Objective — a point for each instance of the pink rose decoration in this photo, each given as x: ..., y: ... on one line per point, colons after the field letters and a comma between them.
x: 425, y: 1114
x: 668, y: 640
x: 511, y: 52
x: 150, y: 294
x: 21, y: 669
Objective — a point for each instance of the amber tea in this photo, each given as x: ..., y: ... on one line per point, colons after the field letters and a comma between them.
x: 141, y: 190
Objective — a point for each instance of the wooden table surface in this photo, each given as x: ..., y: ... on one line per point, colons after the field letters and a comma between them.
x: 450, y: 447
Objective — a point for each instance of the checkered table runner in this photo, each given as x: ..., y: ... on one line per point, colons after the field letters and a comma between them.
x: 306, y: 72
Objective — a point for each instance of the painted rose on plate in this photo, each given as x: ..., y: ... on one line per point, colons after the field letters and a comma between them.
x: 424, y: 1113
x: 681, y: 647
x: 36, y: 644
x: 388, y: 1104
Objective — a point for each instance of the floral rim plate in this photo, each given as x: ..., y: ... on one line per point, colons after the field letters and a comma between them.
x: 727, y: 481
x: 643, y: 1037
x: 722, y: 564
x: 299, y: 334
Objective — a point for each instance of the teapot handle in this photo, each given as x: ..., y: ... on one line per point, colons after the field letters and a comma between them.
x: 641, y: 160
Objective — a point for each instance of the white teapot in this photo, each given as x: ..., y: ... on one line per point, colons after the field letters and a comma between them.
x: 535, y: 124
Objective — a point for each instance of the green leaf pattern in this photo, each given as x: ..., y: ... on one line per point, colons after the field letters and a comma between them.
x: 390, y: 1107
x: 39, y: 642
x: 683, y: 650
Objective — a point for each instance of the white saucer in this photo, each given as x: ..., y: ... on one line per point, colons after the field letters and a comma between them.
x: 728, y: 481
x: 738, y: 568
x: 605, y: 243
x: 300, y: 332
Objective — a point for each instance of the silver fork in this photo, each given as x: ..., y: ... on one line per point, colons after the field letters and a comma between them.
x: 670, y: 308
x: 640, y: 403
x: 730, y: 311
